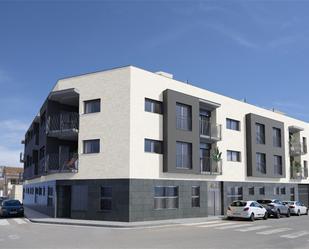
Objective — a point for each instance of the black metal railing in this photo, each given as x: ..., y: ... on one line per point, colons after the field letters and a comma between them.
x: 211, y: 130
x: 55, y: 162
x: 66, y: 121
x: 210, y: 166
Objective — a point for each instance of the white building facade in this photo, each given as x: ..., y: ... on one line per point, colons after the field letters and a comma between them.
x: 127, y: 144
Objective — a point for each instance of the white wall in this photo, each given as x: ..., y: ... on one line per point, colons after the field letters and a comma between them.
x: 149, y: 125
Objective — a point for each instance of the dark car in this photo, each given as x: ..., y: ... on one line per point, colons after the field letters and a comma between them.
x: 275, y: 208
x: 11, y: 208
x: 2, y: 198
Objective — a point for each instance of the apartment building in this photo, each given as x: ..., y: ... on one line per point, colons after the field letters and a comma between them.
x: 11, y: 182
x: 128, y: 145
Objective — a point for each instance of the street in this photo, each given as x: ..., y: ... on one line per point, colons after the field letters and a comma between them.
x: 283, y: 233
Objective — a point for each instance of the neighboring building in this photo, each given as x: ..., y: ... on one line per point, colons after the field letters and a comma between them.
x: 130, y: 145
x: 11, y: 182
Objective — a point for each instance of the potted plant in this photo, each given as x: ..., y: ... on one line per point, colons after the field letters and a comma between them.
x: 297, y: 168
x: 216, y: 157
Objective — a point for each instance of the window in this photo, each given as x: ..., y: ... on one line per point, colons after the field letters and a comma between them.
x: 153, y: 146
x: 233, y: 156
x: 50, y: 196
x: 261, y: 163
x: 195, y: 196
x: 42, y: 153
x: 91, y: 106
x: 305, y: 169
x: 260, y: 133
x: 106, y: 198
x: 304, y: 144
x: 183, y: 117
x: 262, y: 190
x: 277, y: 137
x: 153, y: 106
x: 251, y: 191
x: 283, y: 192
x: 91, y: 146
x: 183, y: 155
x: 292, y: 194
x: 234, y: 194
x: 166, y: 197
x: 232, y: 124
x: 276, y: 190
x: 278, y: 165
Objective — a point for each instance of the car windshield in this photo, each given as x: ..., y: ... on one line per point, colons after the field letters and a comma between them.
x: 264, y: 201
x: 11, y: 203
x: 239, y: 204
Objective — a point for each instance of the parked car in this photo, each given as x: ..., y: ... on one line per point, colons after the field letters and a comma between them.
x: 275, y: 208
x: 11, y: 208
x: 247, y: 210
x: 297, y: 207
x: 2, y: 198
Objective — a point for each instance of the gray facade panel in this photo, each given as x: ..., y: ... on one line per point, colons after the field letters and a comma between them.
x: 268, y: 148
x: 171, y: 135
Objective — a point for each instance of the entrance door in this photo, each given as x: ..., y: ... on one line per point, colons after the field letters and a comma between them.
x: 214, y: 201
x: 64, y: 201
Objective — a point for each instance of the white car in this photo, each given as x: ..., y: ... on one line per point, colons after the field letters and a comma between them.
x: 246, y: 209
x: 297, y: 207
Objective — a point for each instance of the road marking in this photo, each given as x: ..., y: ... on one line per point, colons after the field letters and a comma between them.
x: 295, y: 235
x: 202, y: 223
x: 251, y: 228
x: 234, y: 226
x: 13, y: 236
x: 273, y: 231
x: 20, y: 221
x: 4, y: 222
x: 217, y: 225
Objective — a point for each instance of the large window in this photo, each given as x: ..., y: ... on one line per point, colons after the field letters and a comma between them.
x: 278, y: 165
x: 153, y: 146
x: 183, y: 155
x: 232, y: 124
x: 261, y: 163
x: 153, y: 106
x: 233, y: 156
x: 92, y: 106
x: 166, y: 197
x: 195, y: 196
x: 106, y: 198
x: 91, y: 146
x: 251, y: 191
x: 276, y: 137
x: 183, y: 117
x: 234, y: 194
x: 260, y: 133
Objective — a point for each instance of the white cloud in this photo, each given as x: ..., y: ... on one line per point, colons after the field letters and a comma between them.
x: 13, y: 125
x: 9, y: 157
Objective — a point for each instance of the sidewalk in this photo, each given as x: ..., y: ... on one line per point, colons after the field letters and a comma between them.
x: 37, y: 217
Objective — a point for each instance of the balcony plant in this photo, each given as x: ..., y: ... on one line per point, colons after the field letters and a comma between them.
x: 216, y: 155
x: 297, y: 168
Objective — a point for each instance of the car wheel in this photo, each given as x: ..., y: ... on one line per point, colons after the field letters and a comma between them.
x: 298, y: 212
x: 278, y: 214
x: 288, y: 213
x: 252, y: 218
x: 265, y: 216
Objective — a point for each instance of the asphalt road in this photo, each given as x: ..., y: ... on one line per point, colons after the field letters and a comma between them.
x: 291, y: 233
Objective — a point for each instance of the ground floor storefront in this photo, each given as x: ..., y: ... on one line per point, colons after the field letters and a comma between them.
x: 149, y: 199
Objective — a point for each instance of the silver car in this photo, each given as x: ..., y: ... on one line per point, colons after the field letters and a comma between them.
x: 275, y: 208
x: 297, y: 207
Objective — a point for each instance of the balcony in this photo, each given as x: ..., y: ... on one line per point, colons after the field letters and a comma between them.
x: 299, y: 173
x: 210, y: 131
x: 63, y: 125
x: 210, y: 166
x: 297, y: 149
x: 61, y: 163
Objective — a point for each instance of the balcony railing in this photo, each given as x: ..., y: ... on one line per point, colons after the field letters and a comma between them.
x: 63, y: 122
x: 61, y: 162
x: 297, y: 149
x: 300, y: 173
x: 210, y: 166
x: 211, y: 130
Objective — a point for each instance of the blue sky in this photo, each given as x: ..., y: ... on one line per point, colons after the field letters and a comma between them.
x: 256, y: 50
